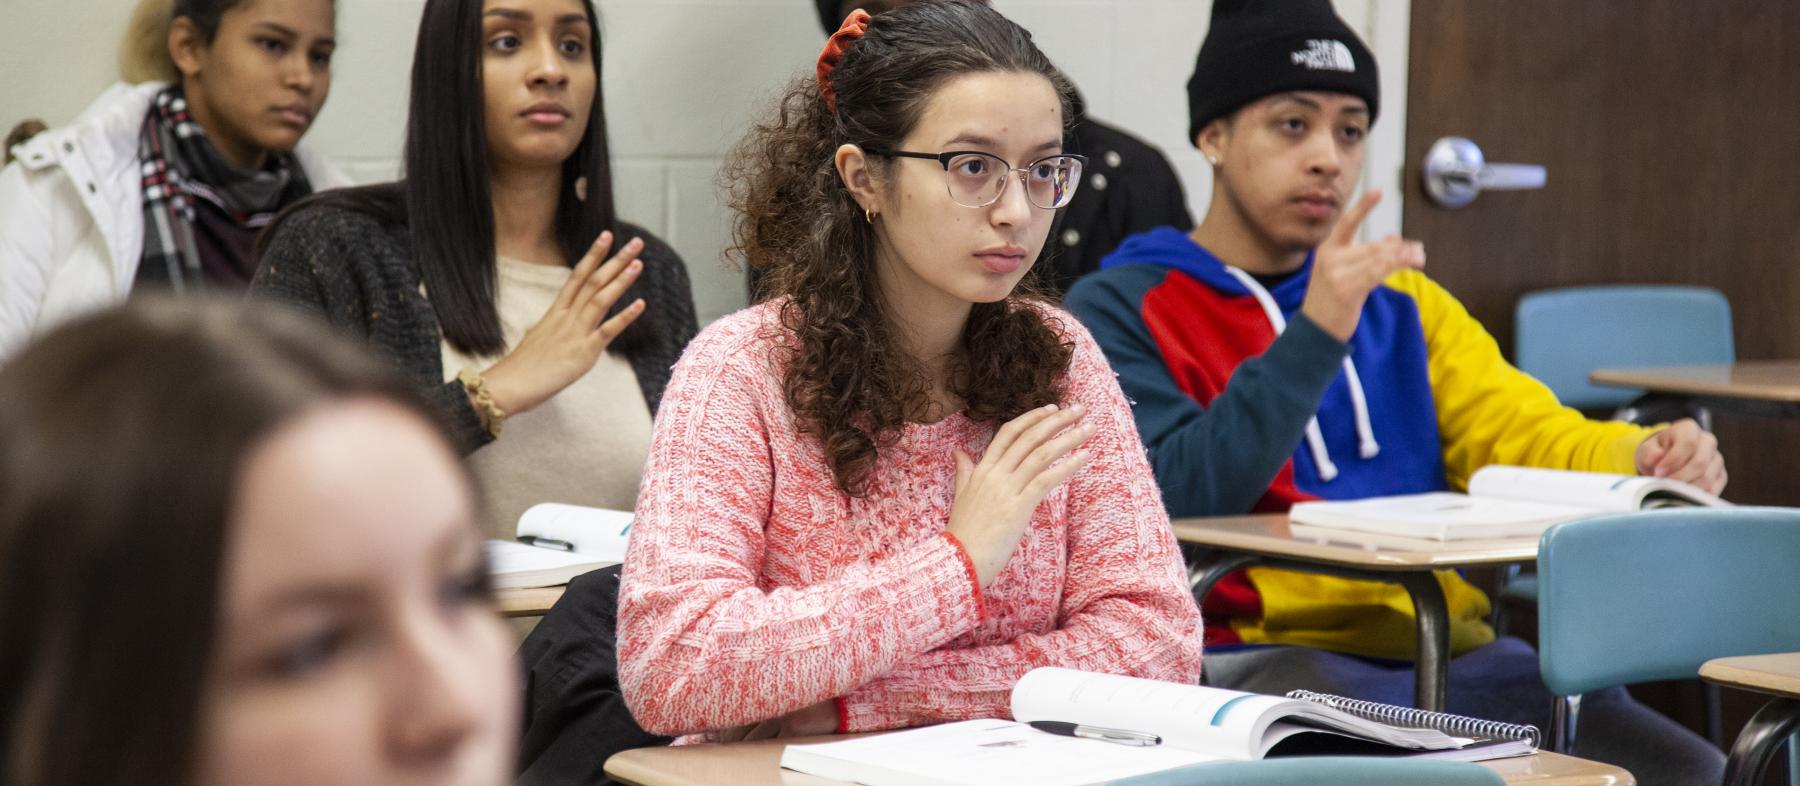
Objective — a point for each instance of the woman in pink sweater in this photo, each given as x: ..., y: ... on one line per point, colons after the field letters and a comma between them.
x: 882, y: 496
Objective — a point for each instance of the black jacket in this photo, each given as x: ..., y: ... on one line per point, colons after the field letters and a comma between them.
x: 1128, y: 188
x: 358, y: 273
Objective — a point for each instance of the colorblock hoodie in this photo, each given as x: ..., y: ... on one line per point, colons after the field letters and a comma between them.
x: 1245, y: 405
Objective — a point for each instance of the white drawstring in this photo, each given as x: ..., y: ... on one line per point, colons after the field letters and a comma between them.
x: 1367, y: 447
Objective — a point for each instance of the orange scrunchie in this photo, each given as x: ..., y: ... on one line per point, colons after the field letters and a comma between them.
x: 853, y: 28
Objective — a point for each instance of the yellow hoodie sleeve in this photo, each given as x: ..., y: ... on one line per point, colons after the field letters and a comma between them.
x: 1492, y: 413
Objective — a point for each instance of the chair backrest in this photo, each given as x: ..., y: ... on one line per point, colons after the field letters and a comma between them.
x: 1635, y: 597
x: 1324, y: 770
x: 1562, y: 334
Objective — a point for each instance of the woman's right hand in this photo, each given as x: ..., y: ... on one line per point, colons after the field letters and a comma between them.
x: 564, y: 344
x: 995, y: 497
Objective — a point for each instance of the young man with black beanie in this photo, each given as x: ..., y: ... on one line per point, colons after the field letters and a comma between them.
x: 1272, y: 357
x: 1129, y: 186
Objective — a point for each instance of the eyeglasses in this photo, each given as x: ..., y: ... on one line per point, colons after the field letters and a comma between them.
x: 978, y: 179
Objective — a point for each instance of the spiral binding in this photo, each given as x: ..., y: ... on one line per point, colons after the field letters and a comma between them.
x: 1458, y: 725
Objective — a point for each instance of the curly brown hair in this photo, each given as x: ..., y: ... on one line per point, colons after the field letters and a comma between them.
x: 848, y: 381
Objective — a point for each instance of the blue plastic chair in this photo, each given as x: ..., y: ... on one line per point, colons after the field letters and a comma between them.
x: 1638, y: 597
x: 1563, y: 334
x: 1560, y: 335
x: 1324, y: 771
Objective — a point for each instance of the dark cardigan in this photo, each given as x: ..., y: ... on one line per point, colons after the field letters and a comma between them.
x: 359, y: 273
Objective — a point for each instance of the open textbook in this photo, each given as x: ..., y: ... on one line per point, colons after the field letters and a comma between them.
x: 1502, y: 502
x: 557, y: 543
x: 1197, y: 724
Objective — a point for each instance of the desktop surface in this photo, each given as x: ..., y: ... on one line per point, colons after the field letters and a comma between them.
x: 1270, y: 534
x: 759, y: 764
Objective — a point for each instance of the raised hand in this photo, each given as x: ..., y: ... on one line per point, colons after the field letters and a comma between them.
x: 995, y: 497
x: 1345, y: 271
x: 564, y: 344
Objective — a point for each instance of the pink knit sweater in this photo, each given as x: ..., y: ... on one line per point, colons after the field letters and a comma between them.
x: 754, y: 588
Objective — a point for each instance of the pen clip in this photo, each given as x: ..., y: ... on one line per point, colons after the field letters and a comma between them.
x: 546, y: 543
x: 1120, y: 736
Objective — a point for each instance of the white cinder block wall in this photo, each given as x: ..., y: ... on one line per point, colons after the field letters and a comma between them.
x: 684, y: 77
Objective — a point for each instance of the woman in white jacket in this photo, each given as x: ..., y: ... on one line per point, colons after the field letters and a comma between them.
x: 165, y: 184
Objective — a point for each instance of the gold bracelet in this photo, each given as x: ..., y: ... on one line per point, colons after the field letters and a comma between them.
x: 491, y: 413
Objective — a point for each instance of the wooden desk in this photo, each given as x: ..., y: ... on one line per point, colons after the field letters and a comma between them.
x: 759, y: 764
x: 1766, y: 388
x: 531, y: 602
x: 1235, y: 542
x: 1778, y: 720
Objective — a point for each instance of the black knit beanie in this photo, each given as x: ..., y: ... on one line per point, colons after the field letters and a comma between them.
x: 828, y: 15
x: 1258, y: 48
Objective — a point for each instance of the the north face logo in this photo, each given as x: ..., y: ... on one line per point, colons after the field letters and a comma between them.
x: 1323, y: 54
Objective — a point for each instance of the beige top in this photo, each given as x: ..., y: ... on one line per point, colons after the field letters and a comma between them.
x: 585, y: 446
x: 759, y: 764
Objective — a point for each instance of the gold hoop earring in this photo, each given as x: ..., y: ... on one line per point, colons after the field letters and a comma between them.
x: 869, y: 216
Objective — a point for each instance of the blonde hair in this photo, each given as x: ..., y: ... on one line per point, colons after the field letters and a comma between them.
x: 144, y: 52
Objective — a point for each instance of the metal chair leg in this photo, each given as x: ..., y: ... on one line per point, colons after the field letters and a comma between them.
x: 1794, y: 759
x: 1431, y: 616
x: 1207, y: 566
x: 1565, y: 712
x: 1497, y: 614
x: 1759, y: 741
x: 1714, y: 717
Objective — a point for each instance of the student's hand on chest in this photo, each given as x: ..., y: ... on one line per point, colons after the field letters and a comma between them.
x: 566, y: 343
x: 1029, y: 457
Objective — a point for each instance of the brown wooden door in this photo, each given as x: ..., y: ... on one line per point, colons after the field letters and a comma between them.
x: 1671, y: 133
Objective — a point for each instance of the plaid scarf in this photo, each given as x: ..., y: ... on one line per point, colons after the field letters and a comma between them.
x: 179, y: 166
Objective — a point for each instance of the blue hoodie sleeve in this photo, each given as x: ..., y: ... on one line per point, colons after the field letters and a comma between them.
x: 1218, y: 460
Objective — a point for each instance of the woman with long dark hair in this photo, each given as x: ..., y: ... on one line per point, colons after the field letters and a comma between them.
x: 882, y: 496
x: 253, y: 561
x: 460, y: 272
x: 163, y: 185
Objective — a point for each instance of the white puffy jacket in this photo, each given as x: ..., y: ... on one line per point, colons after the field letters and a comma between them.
x: 72, y: 215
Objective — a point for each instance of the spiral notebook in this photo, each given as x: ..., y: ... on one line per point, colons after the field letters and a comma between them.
x: 1197, y: 724
x: 1493, y: 739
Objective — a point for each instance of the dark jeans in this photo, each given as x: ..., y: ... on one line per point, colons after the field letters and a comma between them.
x: 575, y: 715
x: 1500, y: 682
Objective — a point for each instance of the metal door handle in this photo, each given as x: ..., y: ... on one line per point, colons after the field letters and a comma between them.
x: 1456, y: 172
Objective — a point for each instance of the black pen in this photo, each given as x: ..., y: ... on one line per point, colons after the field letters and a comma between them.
x: 1120, y: 736
x: 546, y: 543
